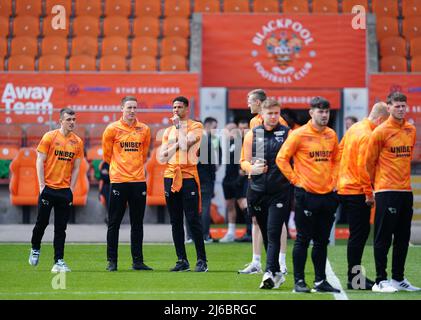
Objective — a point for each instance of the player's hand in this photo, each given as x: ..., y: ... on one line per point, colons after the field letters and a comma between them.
x: 176, y: 121
x: 369, y: 201
x: 258, y: 168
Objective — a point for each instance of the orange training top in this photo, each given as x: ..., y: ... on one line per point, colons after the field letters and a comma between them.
x: 61, y: 153
x: 316, y: 158
x: 389, y: 155
x: 353, y: 177
x: 257, y: 120
x: 125, y: 148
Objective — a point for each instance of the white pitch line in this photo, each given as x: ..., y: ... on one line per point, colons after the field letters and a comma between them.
x: 334, y: 281
x: 273, y: 292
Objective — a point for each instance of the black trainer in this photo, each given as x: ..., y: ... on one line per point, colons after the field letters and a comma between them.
x: 245, y: 238
x: 366, y: 284
x: 181, y: 265
x: 301, y: 287
x: 201, y: 266
x: 112, y: 266
x: 325, y: 286
x: 140, y: 266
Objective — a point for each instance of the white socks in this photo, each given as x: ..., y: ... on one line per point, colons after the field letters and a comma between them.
x: 231, y: 228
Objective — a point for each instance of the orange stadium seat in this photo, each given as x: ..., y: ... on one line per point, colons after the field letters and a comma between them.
x: 52, y: 62
x: 5, y: 8
x: 411, y: 8
x: 80, y: 194
x: 174, y: 45
x: 26, y: 26
x: 148, y: 8
x: 94, y: 153
x: 393, y: 46
x: 177, y: 8
x: 82, y: 63
x: 116, y: 26
x: 143, y: 63
x: 415, y: 47
x: 270, y: 6
x: 8, y: 152
x: 347, y: 5
x: 54, y: 45
x: 112, y: 63
x: 85, y: 45
x: 81, y: 131
x: 1, y: 63
x: 386, y: 27
x: 206, y: 6
x: 173, y: 63
x: 23, y: 187
x: 325, y: 6
x: 4, y: 27
x: 416, y: 64
x: 385, y: 8
x: 49, y: 5
x: 411, y: 28
x: 88, y: 8
x: 393, y: 64
x: 21, y: 63
x: 48, y: 30
x: 3, y: 47
x: 117, y: 8
x: 144, y: 46
x: 11, y: 134
x: 146, y: 27
x: 24, y: 45
x: 177, y: 27
x: 295, y: 6
x: 95, y: 134
x: 28, y: 8
x: 155, y: 181
x: 115, y: 46
x: 34, y: 133
x: 86, y: 26
x: 236, y: 6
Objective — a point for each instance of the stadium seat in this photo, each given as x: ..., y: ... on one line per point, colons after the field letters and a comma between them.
x: 54, y: 45
x: 173, y: 63
x: 155, y: 195
x: 269, y: 6
x: 24, y: 45
x: 411, y: 8
x: 146, y: 27
x: 386, y: 27
x: 415, y: 47
x: 11, y: 134
x: 23, y: 187
x: 94, y: 153
x: 1, y: 63
x: 95, y: 134
x: 67, y: 4
x: 82, y: 63
x: 206, y: 6
x: 5, y: 8
x: 177, y: 8
x: 88, y: 8
x: 347, y: 5
x: 86, y: 26
x: 48, y: 30
x: 28, y: 8
x: 116, y: 26
x: 147, y: 8
x: 393, y: 64
x: 3, y: 47
x: 85, y: 45
x: 416, y: 64
x: 144, y: 46
x: 115, y: 46
x: 174, y: 45
x: 393, y: 46
x: 143, y: 63
x: 385, y: 8
x: 52, y: 62
x: 26, y: 26
x: 411, y: 28
x: 112, y: 63
x: 34, y: 133
x: 117, y: 8
x: 81, y: 131
x: 236, y: 6
x: 325, y: 6
x: 4, y: 27
x: 295, y: 6
x: 21, y: 63
x: 80, y: 194
x: 176, y: 27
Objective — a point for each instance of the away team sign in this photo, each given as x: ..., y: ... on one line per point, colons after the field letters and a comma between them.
x: 282, y: 51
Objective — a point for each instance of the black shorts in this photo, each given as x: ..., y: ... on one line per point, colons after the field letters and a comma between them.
x: 235, y: 188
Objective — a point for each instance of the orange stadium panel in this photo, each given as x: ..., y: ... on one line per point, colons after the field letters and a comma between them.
x: 148, y: 8
x: 155, y: 181
x: 54, y: 45
x: 11, y: 134
x: 80, y: 195
x: 34, y: 133
x: 144, y: 46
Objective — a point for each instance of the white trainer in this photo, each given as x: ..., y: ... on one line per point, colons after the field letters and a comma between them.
x: 384, y: 286
x: 34, y: 257
x: 60, y: 266
x: 284, y: 269
x: 251, y: 268
x: 268, y: 281
x: 278, y: 279
x: 227, y: 238
x: 403, y: 285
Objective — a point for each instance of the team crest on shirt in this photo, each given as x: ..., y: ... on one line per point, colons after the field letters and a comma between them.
x: 279, y: 135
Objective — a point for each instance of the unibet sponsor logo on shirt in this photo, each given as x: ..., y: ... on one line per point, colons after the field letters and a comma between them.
x: 401, y: 151
x: 320, y: 155
x: 130, y: 146
x: 64, y: 155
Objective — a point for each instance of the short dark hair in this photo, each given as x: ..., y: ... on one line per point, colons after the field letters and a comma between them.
x: 319, y: 103
x: 210, y: 120
x: 352, y: 118
x: 128, y: 98
x: 182, y: 99
x: 69, y: 111
x: 258, y: 94
x: 396, y: 96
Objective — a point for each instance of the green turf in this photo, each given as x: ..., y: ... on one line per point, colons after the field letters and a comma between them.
x: 89, y: 280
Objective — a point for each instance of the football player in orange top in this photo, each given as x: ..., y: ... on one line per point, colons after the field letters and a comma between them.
x: 355, y: 192
x: 179, y: 151
x: 125, y: 145
x: 314, y: 149
x: 59, y: 155
x: 389, y: 155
